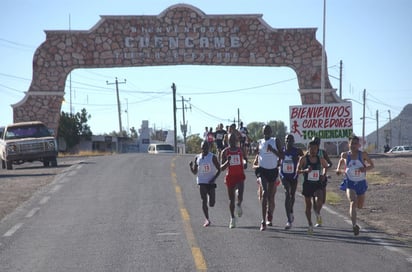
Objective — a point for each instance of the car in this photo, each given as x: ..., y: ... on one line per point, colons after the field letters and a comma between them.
x: 160, y: 148
x: 27, y: 142
x: 400, y: 149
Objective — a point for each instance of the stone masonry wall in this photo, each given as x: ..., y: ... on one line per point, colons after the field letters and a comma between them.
x: 182, y: 34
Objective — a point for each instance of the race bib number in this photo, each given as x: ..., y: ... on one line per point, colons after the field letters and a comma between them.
x: 288, y: 168
x: 205, y: 168
x: 355, y: 174
x: 314, y: 175
x: 235, y: 160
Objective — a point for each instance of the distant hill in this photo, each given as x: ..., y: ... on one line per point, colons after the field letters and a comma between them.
x: 396, y: 132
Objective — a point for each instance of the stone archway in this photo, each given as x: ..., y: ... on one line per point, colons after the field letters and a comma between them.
x: 181, y: 34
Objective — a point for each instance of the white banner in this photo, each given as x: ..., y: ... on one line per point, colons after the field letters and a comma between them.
x: 329, y: 122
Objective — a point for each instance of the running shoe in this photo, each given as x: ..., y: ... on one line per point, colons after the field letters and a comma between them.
x: 239, y: 211
x: 262, y: 226
x: 207, y: 223
x: 288, y: 226
x: 318, y: 221
x: 269, y: 223
x: 310, y: 230
x: 232, y: 223
x: 356, y: 229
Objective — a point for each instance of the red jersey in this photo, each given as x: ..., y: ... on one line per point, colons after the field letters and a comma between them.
x: 235, y: 172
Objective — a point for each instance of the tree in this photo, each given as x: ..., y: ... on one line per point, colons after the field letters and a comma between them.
x: 82, y: 119
x: 193, y: 143
x: 72, y: 127
x: 133, y: 132
x: 279, y: 129
x: 256, y: 132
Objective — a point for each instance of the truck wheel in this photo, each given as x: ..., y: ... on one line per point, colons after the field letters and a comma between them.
x: 9, y: 165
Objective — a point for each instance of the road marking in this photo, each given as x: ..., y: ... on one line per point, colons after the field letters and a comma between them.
x: 63, y: 180
x: 168, y: 233
x: 377, y: 240
x: 71, y: 173
x: 32, y: 212
x: 55, y: 188
x: 44, y: 200
x: 11, y: 231
x: 197, y: 254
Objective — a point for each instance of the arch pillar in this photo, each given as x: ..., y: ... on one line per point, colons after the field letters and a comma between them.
x: 42, y: 106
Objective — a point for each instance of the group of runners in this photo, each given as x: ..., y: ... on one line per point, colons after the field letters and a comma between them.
x: 219, y: 139
x: 277, y: 163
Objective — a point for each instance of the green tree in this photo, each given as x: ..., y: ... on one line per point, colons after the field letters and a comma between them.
x: 279, y: 129
x: 82, y: 118
x: 72, y: 127
x: 256, y: 131
x: 133, y: 132
x: 193, y: 143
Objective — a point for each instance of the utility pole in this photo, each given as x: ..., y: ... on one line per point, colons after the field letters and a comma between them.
x: 70, y: 76
x: 390, y: 129
x: 340, y: 80
x: 323, y: 68
x: 363, y: 119
x: 174, y: 117
x: 377, y: 131
x: 238, y: 118
x: 183, y: 127
x: 127, y: 114
x: 116, y: 82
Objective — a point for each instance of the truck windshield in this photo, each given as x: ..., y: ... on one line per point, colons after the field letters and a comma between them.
x: 33, y: 131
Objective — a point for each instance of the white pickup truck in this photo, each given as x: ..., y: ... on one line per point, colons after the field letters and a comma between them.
x: 27, y: 142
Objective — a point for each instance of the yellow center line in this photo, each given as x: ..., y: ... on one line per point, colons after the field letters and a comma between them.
x: 197, y: 254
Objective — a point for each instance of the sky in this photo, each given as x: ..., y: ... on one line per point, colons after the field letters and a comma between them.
x: 373, y: 39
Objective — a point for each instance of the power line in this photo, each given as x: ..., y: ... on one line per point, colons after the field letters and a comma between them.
x: 242, y: 89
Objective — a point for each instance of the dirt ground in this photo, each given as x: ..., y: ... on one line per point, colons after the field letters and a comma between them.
x: 388, y: 204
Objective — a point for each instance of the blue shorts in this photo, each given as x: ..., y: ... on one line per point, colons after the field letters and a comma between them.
x: 360, y: 187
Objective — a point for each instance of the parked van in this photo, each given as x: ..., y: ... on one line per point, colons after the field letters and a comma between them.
x: 160, y: 148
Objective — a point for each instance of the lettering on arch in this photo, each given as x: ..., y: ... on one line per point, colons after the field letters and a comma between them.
x: 180, y: 35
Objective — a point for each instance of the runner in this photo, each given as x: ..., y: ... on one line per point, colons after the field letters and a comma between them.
x: 322, y: 154
x: 354, y: 182
x: 269, y: 152
x: 206, y: 177
x: 244, y: 139
x: 310, y: 166
x: 210, y: 138
x: 289, y: 176
x: 219, y: 136
x: 232, y: 160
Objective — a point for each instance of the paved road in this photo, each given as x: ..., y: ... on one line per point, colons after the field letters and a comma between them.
x: 139, y: 212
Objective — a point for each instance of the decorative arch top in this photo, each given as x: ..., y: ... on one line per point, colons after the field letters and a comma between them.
x: 179, y: 35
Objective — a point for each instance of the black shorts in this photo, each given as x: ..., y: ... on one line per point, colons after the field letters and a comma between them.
x: 310, y: 188
x: 268, y: 174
